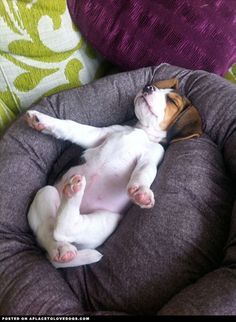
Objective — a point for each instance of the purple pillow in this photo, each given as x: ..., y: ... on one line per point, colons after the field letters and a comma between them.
x: 132, y: 34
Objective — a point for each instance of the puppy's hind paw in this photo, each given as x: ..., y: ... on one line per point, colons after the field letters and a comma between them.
x: 74, y: 185
x: 63, y: 252
x: 83, y: 257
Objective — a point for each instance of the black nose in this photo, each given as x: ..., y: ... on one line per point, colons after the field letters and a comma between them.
x: 148, y: 89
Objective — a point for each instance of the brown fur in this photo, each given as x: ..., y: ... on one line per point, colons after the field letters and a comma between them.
x: 182, y: 120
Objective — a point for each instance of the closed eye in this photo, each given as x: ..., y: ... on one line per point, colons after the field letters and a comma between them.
x: 171, y: 100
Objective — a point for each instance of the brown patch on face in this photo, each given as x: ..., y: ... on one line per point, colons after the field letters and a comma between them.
x: 175, y: 104
x: 187, y: 125
x: 167, y: 83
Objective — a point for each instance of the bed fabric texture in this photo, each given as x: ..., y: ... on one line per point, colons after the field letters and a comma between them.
x: 132, y: 34
x: 177, y: 258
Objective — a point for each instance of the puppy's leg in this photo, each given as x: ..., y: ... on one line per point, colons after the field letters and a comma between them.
x: 98, y: 226
x: 42, y: 217
x: 139, y: 185
x: 89, y: 230
x: 69, y: 221
x: 84, y: 135
x: 143, y: 176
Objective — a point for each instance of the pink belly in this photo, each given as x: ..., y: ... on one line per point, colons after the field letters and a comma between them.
x: 103, y: 191
x: 107, y: 196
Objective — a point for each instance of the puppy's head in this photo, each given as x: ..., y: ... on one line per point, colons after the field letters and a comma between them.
x: 160, y: 106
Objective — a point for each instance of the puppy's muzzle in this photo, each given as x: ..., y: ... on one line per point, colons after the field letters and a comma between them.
x: 148, y: 89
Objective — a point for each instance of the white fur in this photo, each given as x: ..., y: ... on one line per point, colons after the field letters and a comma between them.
x: 121, y: 164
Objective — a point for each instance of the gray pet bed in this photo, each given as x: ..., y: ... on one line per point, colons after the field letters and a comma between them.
x: 178, y: 258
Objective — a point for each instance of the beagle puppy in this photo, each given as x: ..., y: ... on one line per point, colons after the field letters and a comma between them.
x: 86, y: 204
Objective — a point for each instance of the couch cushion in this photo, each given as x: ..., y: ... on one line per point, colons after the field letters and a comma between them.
x: 41, y: 52
x: 153, y: 254
x: 139, y: 33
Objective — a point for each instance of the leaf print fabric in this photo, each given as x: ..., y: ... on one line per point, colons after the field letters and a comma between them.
x: 231, y: 74
x: 41, y: 53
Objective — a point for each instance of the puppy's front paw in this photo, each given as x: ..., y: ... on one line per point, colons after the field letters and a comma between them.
x: 40, y: 122
x: 33, y: 119
x: 142, y: 196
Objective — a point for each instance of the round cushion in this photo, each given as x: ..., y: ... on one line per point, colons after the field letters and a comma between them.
x: 154, y: 254
x: 137, y: 33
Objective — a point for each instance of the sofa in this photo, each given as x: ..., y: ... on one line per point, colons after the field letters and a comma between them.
x: 177, y: 258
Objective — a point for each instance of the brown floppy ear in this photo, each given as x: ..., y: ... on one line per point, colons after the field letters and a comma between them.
x: 187, y: 125
x: 167, y: 83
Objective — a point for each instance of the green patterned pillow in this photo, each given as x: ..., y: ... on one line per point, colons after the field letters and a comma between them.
x: 41, y: 53
x: 231, y: 74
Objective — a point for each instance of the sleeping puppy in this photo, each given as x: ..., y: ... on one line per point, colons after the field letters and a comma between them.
x: 86, y: 205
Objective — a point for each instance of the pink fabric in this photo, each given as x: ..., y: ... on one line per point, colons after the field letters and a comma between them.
x: 136, y: 33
